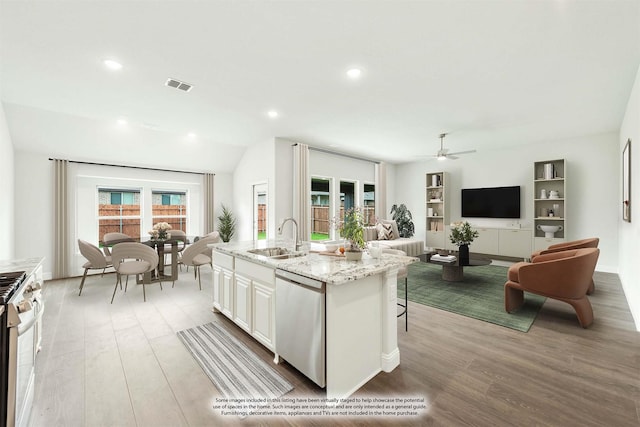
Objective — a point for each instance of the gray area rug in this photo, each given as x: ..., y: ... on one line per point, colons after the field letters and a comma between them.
x: 232, y: 367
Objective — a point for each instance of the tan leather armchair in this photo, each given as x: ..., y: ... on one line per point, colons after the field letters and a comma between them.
x: 591, y: 242
x: 564, y: 276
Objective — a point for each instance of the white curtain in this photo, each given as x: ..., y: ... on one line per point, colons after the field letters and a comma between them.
x: 61, y: 220
x: 302, y: 190
x: 381, y: 190
x: 208, y: 200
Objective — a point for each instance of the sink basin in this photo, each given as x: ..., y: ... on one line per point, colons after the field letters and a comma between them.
x: 276, y: 253
x: 286, y: 256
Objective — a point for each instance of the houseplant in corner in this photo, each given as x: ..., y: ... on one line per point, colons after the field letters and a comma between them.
x: 402, y: 216
x: 351, y: 228
x: 226, y: 224
x: 462, y: 235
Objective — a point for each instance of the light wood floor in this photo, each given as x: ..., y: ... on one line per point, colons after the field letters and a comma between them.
x: 122, y: 364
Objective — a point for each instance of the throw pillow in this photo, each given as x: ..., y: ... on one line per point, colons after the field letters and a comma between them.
x: 384, y: 231
x: 394, y: 228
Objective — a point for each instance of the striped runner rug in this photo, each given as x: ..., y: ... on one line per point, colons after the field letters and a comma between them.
x: 232, y: 367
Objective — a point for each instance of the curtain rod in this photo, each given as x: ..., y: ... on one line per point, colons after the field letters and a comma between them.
x: 350, y: 156
x: 131, y: 167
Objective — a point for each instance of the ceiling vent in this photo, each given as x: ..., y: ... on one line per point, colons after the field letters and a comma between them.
x: 178, y: 84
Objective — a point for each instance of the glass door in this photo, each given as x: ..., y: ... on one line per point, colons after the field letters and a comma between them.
x: 260, y: 212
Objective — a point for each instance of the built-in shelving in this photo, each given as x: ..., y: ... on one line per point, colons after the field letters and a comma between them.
x: 436, y: 209
x: 549, y: 179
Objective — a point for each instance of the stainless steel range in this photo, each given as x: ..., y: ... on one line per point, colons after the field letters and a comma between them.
x: 20, y: 325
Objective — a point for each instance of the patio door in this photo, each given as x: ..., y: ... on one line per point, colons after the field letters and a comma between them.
x: 260, y: 212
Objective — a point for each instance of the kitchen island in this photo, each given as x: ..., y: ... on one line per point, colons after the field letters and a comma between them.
x: 359, y: 320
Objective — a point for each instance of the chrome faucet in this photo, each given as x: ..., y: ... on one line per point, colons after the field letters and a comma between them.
x: 295, y: 231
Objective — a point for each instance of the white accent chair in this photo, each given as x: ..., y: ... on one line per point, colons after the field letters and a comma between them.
x: 96, y: 260
x: 196, y: 255
x: 132, y: 258
x: 109, y: 238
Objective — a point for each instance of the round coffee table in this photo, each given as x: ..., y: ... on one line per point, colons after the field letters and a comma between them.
x: 454, y: 271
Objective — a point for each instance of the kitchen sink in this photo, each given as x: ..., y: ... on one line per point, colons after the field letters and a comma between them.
x: 276, y: 253
x: 269, y: 252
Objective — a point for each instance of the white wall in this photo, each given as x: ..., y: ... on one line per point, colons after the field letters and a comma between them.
x: 629, y: 232
x: 255, y: 167
x: 34, y: 195
x: 34, y: 208
x: 7, y: 206
x: 592, y: 186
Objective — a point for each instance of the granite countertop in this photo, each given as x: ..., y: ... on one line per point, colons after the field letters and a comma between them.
x: 27, y: 265
x: 329, y: 269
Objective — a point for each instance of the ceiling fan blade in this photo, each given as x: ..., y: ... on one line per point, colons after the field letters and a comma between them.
x: 449, y: 156
x: 462, y: 152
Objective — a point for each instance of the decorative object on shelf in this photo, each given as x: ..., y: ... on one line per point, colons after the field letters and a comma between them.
x: 543, y: 194
x: 550, y: 230
x: 160, y: 231
x: 626, y: 181
x: 351, y: 228
x: 402, y: 216
x: 549, y: 171
x: 226, y: 224
x: 554, y: 194
x: 462, y: 235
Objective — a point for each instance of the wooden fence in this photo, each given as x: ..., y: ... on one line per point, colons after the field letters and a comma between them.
x: 321, y: 223
x: 131, y: 226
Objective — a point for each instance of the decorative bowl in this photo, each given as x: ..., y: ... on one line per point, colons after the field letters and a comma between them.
x: 549, y: 230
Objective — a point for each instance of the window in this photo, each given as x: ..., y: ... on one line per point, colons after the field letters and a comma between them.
x: 171, y: 207
x: 369, y: 209
x: 320, y: 209
x: 118, y: 211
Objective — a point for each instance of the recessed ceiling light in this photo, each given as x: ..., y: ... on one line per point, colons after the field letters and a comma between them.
x: 111, y: 64
x: 354, y: 73
x: 273, y: 114
x: 122, y: 122
x: 192, y: 135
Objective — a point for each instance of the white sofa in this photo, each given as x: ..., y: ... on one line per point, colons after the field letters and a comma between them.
x: 412, y: 246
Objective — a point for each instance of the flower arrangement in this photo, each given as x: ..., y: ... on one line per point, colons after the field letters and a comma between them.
x: 160, y: 231
x: 351, y: 228
x: 462, y: 233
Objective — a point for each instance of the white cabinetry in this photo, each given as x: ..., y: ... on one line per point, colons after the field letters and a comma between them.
x: 549, y: 201
x: 515, y: 243
x: 507, y: 242
x: 244, y: 291
x: 223, y: 266
x: 436, y: 210
x: 486, y: 242
x: 264, y: 310
x: 242, y: 305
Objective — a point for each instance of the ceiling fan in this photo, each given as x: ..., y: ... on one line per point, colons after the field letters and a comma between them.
x: 443, y: 153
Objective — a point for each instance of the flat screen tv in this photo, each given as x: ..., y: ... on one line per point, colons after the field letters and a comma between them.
x: 494, y: 202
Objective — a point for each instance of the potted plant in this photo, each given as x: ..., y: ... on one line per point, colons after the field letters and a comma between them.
x: 402, y: 216
x: 462, y: 235
x: 351, y: 228
x: 226, y: 224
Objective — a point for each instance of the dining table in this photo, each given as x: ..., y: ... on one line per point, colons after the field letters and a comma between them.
x: 171, y: 245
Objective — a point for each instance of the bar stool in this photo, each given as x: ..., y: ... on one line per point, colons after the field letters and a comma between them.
x: 403, y: 273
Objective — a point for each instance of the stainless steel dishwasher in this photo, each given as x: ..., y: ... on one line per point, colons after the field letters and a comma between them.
x: 300, y: 324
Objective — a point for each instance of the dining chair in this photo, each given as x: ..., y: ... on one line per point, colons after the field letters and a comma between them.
x: 96, y: 260
x: 195, y: 255
x: 403, y: 273
x: 209, y: 251
x: 176, y: 234
x: 133, y: 258
x: 109, y: 238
